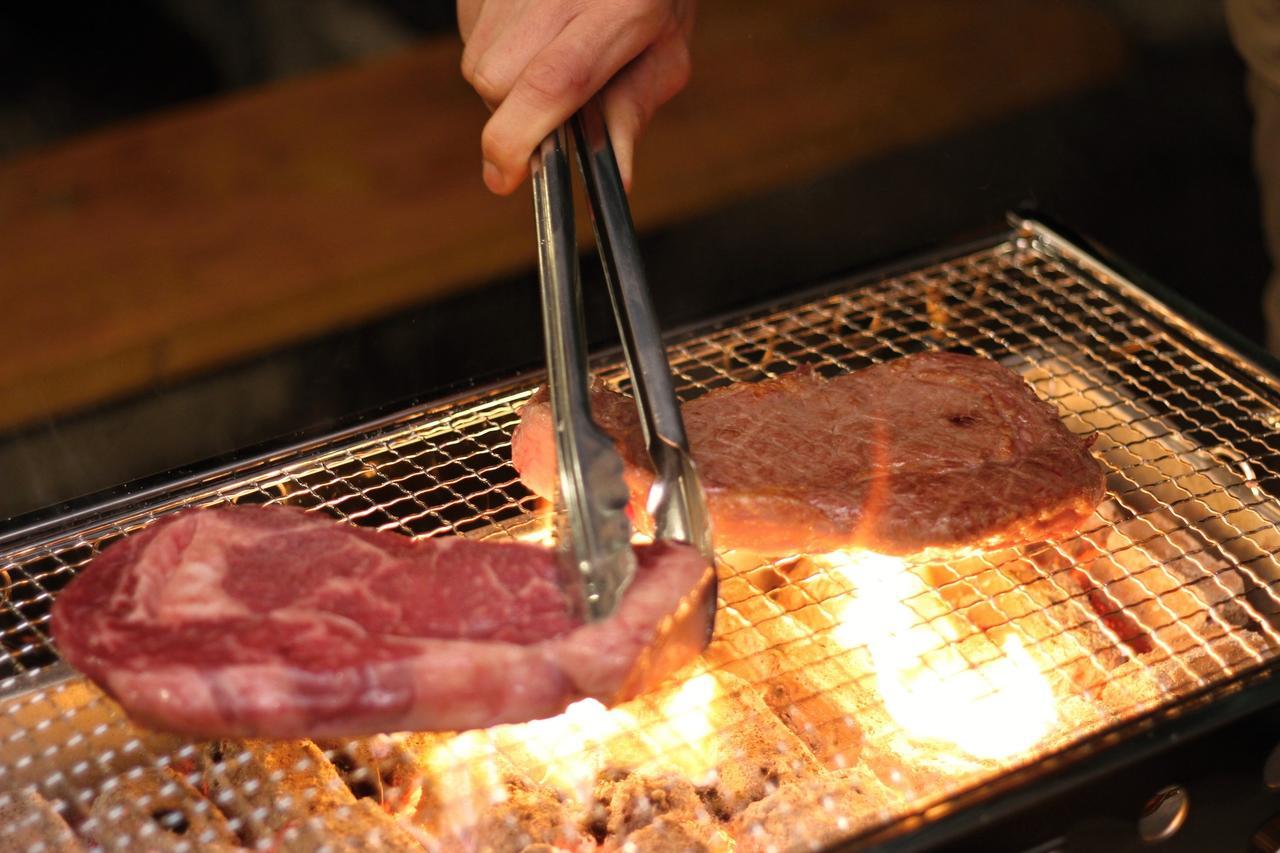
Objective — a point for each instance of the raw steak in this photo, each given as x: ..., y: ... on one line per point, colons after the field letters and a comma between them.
x: 270, y: 622
x: 937, y: 450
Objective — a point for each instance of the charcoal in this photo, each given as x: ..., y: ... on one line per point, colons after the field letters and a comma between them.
x: 814, y: 702
x: 156, y: 809
x: 809, y: 814
x: 529, y: 814
x: 380, y: 768
x: 637, y: 800
x: 30, y: 822
x: 755, y: 752
x: 473, y: 798
x: 659, y: 813
x: 287, y: 794
x: 667, y: 834
x: 69, y: 740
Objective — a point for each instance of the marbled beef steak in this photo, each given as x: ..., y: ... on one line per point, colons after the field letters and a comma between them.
x: 271, y: 622
x: 937, y: 450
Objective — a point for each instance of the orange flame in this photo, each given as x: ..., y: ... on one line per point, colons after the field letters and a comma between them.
x: 993, y: 708
x: 566, y: 751
x: 680, y: 730
x: 670, y: 731
x: 539, y: 528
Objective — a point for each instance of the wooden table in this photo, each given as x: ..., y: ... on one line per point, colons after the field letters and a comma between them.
x: 160, y: 248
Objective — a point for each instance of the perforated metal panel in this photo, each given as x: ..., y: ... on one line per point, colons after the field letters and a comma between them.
x: 843, y: 694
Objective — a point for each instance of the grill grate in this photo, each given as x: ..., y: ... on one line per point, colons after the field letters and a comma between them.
x: 835, y: 698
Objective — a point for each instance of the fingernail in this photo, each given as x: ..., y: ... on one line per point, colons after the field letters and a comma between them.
x: 492, y: 177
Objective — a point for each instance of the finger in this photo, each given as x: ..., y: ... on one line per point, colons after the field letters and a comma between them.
x: 560, y: 79
x: 468, y: 12
x: 493, y: 27
x: 491, y: 21
x: 631, y: 99
x: 497, y: 62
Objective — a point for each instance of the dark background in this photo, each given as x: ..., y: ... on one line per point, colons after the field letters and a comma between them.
x: 1154, y: 165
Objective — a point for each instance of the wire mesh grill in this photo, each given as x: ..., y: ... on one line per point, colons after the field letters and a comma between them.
x: 814, y: 716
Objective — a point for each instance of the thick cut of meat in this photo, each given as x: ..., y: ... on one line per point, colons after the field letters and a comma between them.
x: 937, y: 450
x: 271, y: 622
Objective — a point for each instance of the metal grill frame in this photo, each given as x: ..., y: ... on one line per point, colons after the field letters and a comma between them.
x: 1248, y: 687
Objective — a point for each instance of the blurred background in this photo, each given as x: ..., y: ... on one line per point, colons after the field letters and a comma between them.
x: 228, y: 224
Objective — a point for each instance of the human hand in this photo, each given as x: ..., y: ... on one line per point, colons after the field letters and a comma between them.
x: 535, y: 62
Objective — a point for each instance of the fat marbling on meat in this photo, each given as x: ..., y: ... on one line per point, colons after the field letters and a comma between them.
x: 271, y: 622
x: 936, y: 450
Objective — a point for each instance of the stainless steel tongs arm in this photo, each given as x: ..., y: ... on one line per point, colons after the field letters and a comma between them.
x: 597, y: 550
x: 676, y: 502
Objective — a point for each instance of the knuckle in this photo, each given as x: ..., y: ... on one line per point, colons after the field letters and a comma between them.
x: 560, y: 78
x: 649, y: 21
x: 485, y: 82
x: 467, y: 65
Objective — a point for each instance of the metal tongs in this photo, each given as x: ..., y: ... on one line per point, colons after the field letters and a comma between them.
x: 595, y: 533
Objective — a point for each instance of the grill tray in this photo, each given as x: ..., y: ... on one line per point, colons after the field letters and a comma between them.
x: 1167, y: 598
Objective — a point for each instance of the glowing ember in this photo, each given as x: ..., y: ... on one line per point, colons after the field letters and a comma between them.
x: 468, y: 767
x: 686, y: 711
x: 568, y: 748
x: 681, y: 729
x: 669, y: 731
x: 995, y: 707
